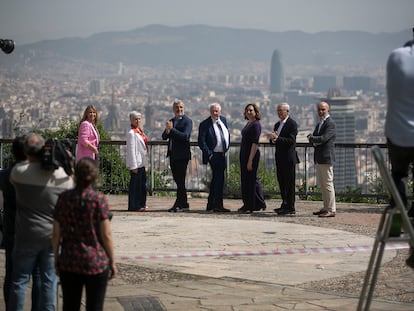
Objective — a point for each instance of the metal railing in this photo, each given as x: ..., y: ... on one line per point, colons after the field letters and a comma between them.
x: 355, y: 172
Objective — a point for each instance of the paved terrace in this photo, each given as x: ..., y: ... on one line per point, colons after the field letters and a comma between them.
x: 232, y: 258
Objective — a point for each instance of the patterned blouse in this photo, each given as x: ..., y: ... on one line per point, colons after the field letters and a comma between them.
x: 79, y: 215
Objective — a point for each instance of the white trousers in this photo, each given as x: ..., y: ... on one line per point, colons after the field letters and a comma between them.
x: 325, y: 177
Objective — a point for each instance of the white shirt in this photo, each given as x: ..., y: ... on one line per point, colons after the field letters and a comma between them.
x: 219, y: 147
x: 321, y: 122
x: 281, y: 124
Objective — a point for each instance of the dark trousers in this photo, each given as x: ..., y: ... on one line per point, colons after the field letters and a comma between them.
x: 286, y: 175
x: 137, y: 192
x: 72, y: 286
x: 179, y: 171
x: 401, y: 158
x: 252, y: 193
x: 218, y: 166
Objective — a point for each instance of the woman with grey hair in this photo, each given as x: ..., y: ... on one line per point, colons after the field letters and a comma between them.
x: 136, y: 161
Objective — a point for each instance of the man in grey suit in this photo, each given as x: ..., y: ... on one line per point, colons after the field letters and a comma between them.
x: 323, y: 139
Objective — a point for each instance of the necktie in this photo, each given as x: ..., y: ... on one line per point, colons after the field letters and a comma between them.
x: 223, y: 140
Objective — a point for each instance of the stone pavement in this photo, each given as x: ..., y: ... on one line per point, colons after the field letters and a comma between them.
x: 233, y: 259
x: 187, y: 243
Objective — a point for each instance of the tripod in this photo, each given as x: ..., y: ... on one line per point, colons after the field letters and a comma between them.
x: 383, y: 232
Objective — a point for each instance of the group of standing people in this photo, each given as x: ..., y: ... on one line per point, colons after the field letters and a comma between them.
x: 59, y: 225
x: 67, y: 229
x: 214, y: 142
x: 56, y: 224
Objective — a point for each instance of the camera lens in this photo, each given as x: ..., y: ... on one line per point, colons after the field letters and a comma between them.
x: 7, y: 45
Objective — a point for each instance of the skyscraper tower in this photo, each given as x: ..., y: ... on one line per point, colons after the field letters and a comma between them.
x: 342, y: 111
x: 112, y: 121
x: 277, y: 78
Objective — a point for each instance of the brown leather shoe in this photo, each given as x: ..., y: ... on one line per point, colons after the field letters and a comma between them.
x: 319, y: 212
x: 327, y: 214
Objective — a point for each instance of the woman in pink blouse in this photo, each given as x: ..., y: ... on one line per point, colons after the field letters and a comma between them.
x: 88, y: 135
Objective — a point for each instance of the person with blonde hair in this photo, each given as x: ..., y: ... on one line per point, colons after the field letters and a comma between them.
x: 88, y: 135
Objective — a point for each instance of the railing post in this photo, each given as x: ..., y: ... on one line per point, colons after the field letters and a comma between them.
x: 306, y: 172
x: 1, y: 155
x: 152, y: 183
x: 227, y: 170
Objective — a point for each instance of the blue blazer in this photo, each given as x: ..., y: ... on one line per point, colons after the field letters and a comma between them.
x: 180, y: 138
x: 207, y: 139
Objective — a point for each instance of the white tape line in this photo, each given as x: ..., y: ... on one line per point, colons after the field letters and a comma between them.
x: 291, y: 251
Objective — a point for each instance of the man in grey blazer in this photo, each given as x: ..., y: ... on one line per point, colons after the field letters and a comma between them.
x: 323, y: 139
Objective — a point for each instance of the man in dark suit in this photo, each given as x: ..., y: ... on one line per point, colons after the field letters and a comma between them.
x: 323, y: 139
x: 178, y: 132
x: 284, y: 138
x: 214, y: 140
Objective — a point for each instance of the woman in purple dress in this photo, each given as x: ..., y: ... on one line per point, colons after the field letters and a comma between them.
x: 252, y: 193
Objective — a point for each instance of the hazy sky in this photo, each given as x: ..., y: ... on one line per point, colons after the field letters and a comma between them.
x: 33, y: 20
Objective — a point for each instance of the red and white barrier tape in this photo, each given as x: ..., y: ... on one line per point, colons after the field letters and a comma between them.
x: 292, y: 251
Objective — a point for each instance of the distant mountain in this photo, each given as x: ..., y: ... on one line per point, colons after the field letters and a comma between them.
x: 201, y: 45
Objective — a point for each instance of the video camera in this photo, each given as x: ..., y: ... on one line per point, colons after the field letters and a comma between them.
x: 7, y: 45
x: 57, y: 153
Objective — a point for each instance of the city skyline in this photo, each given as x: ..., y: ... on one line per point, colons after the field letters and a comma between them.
x: 31, y: 21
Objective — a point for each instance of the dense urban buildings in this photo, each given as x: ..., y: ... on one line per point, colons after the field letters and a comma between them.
x: 46, y: 97
x: 31, y: 97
